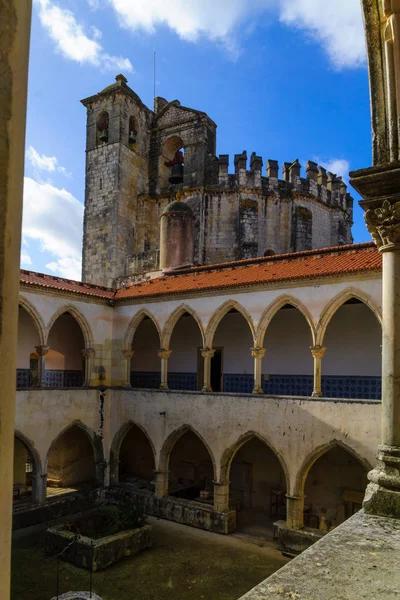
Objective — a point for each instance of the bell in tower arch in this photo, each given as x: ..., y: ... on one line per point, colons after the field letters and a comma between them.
x: 176, y: 165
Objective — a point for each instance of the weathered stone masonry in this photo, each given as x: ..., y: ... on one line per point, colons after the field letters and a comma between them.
x: 239, y: 215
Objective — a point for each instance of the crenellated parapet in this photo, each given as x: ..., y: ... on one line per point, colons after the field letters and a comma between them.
x: 318, y: 183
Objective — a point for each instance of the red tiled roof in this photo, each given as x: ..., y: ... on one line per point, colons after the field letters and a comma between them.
x: 64, y: 285
x: 311, y: 264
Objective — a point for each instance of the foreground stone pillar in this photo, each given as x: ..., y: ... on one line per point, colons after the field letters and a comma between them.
x: 15, y: 21
x: 295, y: 511
x: 88, y: 354
x: 318, y: 354
x: 128, y: 354
x: 164, y: 355
x: 41, y: 352
x: 207, y: 354
x: 258, y: 354
x: 221, y: 496
x: 381, y: 190
x: 161, y: 484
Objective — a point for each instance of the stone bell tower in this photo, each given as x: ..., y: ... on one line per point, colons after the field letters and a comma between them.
x: 116, y: 173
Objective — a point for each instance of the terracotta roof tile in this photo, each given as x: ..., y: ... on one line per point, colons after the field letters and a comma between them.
x: 311, y: 264
x: 325, y: 262
x: 64, y: 285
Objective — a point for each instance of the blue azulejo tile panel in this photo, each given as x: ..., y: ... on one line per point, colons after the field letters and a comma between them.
x: 54, y: 378
x: 23, y: 378
x: 182, y: 381
x: 238, y: 383
x: 356, y: 387
x: 288, y: 385
x: 145, y: 379
x: 73, y: 378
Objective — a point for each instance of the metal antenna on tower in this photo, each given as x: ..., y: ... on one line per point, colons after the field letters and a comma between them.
x: 154, y: 73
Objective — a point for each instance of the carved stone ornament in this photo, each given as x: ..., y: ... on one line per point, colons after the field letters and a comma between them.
x: 42, y: 350
x: 258, y: 352
x: 207, y: 353
x: 384, y: 224
x: 165, y: 354
x: 88, y: 353
x: 127, y: 353
x: 318, y: 351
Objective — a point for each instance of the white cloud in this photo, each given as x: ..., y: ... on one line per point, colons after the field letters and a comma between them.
x: 54, y: 217
x: 42, y: 162
x: 337, y: 25
x: 25, y: 258
x: 72, y: 40
x: 337, y: 166
x: 66, y: 267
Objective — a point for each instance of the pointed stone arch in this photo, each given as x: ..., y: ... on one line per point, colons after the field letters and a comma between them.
x: 134, y: 324
x: 220, y: 313
x: 229, y: 455
x: 80, y: 319
x: 272, y: 310
x: 317, y: 453
x: 37, y: 479
x: 338, y: 301
x: 173, y: 320
x: 173, y: 438
x: 97, y: 447
x: 116, y: 447
x: 36, y: 317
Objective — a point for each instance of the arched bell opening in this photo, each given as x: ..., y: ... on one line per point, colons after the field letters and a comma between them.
x: 352, y: 364
x: 71, y: 464
x: 257, y: 488
x: 191, y: 469
x: 65, y: 364
x: 132, y: 131
x: 136, y: 460
x: 171, y: 162
x: 334, y: 489
x: 185, y: 362
x: 145, y: 361
x: 288, y: 363
x: 102, y: 128
x: 27, y: 358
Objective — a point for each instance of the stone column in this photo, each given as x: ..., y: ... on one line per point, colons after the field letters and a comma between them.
x: 15, y: 23
x: 318, y: 354
x: 161, y: 484
x: 207, y: 354
x: 128, y: 354
x: 164, y: 355
x: 295, y: 511
x: 88, y: 354
x: 380, y: 188
x: 221, y: 496
x: 258, y: 354
x: 41, y: 352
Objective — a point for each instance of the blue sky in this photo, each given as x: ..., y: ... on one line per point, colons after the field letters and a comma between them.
x: 281, y: 78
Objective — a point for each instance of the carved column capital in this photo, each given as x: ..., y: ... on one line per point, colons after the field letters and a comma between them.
x: 127, y: 353
x: 42, y: 350
x: 258, y: 352
x: 383, y: 223
x: 391, y: 7
x: 207, y: 352
x: 318, y: 351
x: 165, y: 354
x: 88, y: 352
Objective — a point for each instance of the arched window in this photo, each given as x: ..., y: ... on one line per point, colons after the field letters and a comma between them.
x: 71, y: 463
x: 257, y: 488
x: 171, y: 162
x: 191, y: 470
x: 27, y: 359
x: 136, y: 459
x: 302, y: 229
x: 64, y: 361
x: 133, y: 131
x: 186, y: 344
x: 145, y: 363
x: 24, y: 473
x: 103, y: 122
x: 334, y: 489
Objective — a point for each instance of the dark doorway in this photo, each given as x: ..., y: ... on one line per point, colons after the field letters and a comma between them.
x: 216, y: 370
